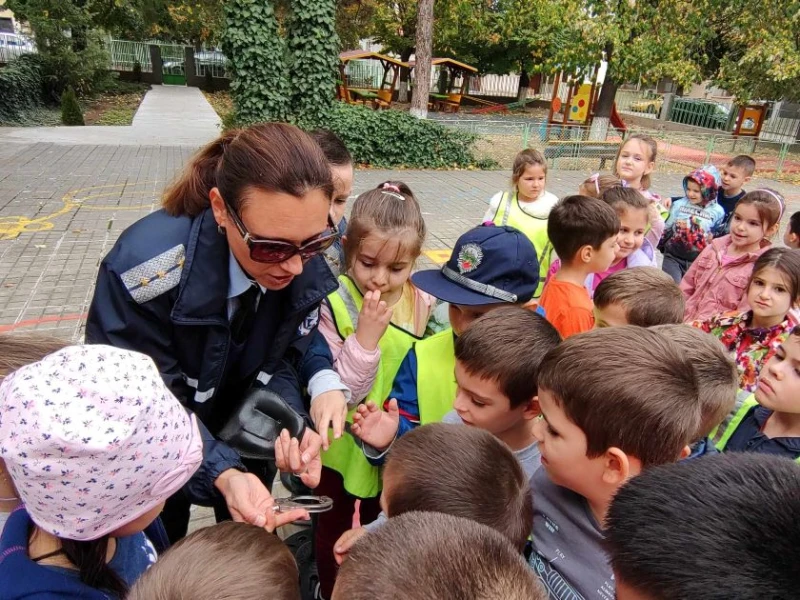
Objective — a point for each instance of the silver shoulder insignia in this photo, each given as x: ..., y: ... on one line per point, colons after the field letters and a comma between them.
x: 155, y: 276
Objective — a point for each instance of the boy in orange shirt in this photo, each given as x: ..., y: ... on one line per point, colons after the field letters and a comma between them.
x: 583, y: 232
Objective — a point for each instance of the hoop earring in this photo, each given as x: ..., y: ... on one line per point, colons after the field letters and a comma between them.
x: 220, y: 230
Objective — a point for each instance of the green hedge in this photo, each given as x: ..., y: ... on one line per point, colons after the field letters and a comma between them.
x: 392, y: 138
x: 21, y: 87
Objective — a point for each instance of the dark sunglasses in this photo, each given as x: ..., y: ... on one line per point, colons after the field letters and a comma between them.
x: 277, y: 251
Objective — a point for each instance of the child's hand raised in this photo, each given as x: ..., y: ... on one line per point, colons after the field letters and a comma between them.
x: 345, y: 542
x: 372, y: 320
x: 329, y: 410
x: 374, y: 426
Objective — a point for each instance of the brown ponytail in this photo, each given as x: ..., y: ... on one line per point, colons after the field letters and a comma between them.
x: 274, y: 157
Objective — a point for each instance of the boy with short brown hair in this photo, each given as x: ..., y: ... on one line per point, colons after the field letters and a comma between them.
x: 227, y: 560
x: 614, y: 401
x: 427, y: 556
x: 456, y: 470
x: 583, y: 232
x: 717, y: 380
x: 496, y: 373
x: 461, y: 471
x: 735, y: 174
x: 643, y: 296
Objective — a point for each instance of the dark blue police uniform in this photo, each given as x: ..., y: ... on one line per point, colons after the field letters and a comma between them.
x: 163, y: 291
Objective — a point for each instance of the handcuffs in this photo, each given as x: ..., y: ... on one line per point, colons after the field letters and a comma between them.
x: 312, y: 504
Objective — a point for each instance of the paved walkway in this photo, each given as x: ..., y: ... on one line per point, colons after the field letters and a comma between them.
x: 62, y: 207
x: 63, y: 203
x: 168, y: 116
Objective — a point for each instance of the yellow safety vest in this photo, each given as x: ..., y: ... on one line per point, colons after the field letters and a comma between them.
x: 436, y: 379
x: 344, y: 455
x: 723, y: 432
x: 535, y: 229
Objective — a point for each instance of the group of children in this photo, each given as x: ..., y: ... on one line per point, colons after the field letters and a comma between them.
x: 536, y: 418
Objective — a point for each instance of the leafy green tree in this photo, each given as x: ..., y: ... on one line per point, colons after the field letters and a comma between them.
x: 70, y: 46
x: 496, y: 36
x: 195, y: 22
x: 640, y: 40
x: 313, y: 59
x: 257, y: 61
x: 354, y: 21
x: 762, y: 40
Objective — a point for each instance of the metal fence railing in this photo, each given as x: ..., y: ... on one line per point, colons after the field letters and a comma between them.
x: 569, y: 147
x: 9, y: 53
x: 782, y: 122
x: 639, y: 103
x: 124, y: 55
x: 369, y: 73
x: 364, y: 73
x: 210, y: 60
x: 717, y: 115
x: 702, y: 113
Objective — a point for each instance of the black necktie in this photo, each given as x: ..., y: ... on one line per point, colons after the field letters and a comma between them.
x: 243, y: 318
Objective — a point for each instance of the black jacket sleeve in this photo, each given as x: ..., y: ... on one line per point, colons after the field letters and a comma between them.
x: 307, y: 355
x: 117, y: 320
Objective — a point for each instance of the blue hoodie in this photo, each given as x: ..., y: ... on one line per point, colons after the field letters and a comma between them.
x: 690, y: 227
x: 21, y: 578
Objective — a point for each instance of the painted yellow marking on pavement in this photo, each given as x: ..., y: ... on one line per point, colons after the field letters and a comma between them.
x: 438, y: 256
x: 11, y: 227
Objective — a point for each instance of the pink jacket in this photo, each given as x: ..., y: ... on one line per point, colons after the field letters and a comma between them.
x: 356, y: 365
x: 712, y: 288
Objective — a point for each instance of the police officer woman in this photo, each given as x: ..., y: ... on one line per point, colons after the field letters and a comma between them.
x: 221, y: 287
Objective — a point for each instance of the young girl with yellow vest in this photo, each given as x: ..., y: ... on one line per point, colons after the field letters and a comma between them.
x: 370, y: 323
x: 527, y: 206
x: 769, y: 420
x: 488, y: 268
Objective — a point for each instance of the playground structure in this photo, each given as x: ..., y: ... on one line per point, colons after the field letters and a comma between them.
x: 353, y: 91
x: 573, y: 103
x: 569, y: 120
x: 452, y: 85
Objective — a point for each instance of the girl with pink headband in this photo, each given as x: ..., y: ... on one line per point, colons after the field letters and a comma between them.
x: 717, y: 280
x: 95, y: 443
x: 369, y: 323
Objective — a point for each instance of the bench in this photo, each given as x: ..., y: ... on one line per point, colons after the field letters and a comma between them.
x: 581, y: 149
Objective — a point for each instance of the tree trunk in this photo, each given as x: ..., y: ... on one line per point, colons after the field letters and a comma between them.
x: 402, y: 90
x: 422, y: 67
x: 524, y: 84
x: 602, y: 112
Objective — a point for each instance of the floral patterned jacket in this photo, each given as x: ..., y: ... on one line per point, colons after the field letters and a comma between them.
x: 749, y: 347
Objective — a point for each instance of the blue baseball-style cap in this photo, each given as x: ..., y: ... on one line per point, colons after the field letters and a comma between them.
x: 488, y: 265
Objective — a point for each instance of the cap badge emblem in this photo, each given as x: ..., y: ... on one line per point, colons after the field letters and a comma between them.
x: 469, y: 258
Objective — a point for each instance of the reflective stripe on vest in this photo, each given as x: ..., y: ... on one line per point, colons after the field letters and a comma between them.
x: 509, y: 213
x: 344, y: 455
x: 436, y: 379
x: 722, y: 434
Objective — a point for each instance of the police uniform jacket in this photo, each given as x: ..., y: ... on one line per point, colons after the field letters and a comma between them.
x: 163, y: 290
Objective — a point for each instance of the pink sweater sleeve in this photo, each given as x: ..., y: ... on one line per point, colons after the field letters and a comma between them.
x: 356, y: 366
